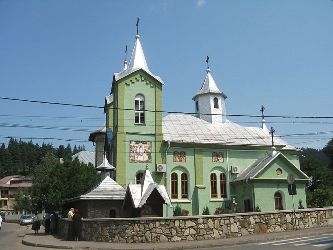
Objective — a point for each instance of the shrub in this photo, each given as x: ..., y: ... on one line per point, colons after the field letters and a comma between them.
x: 205, y: 211
x: 257, y: 209
x: 300, y: 204
x: 177, y: 211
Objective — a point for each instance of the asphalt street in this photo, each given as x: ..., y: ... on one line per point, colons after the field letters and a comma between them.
x: 320, y: 242
x: 11, y: 236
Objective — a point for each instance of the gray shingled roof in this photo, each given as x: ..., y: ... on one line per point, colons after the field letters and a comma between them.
x: 256, y: 167
x: 183, y: 128
x: 108, y: 189
x: 252, y: 171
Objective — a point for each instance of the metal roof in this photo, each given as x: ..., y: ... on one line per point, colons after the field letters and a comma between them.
x: 252, y: 171
x: 105, y: 165
x: 85, y: 157
x: 137, y: 62
x: 108, y: 189
x: 183, y: 128
x: 209, y: 86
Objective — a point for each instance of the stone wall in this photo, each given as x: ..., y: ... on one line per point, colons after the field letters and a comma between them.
x: 188, y: 228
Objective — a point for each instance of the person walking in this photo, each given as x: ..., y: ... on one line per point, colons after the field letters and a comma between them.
x: 77, y: 224
x: 36, y: 224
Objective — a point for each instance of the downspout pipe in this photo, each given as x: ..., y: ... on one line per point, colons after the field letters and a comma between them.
x: 166, y: 172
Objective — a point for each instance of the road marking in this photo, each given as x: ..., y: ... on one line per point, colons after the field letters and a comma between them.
x: 295, y: 240
x: 300, y: 244
x: 276, y: 241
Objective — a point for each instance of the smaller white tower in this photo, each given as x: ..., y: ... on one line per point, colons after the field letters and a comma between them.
x: 210, y: 101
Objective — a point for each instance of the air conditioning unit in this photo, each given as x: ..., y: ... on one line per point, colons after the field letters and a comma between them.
x: 161, y: 168
x: 235, y: 169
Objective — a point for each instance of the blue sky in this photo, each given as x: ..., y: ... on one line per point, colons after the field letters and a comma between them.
x: 262, y: 52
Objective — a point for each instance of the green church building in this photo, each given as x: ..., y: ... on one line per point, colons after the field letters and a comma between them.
x: 202, y: 160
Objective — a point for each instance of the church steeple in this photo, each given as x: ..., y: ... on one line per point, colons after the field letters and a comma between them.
x: 137, y: 61
x: 210, y: 100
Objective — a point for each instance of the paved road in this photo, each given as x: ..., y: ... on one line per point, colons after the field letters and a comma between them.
x: 320, y: 242
x: 11, y: 236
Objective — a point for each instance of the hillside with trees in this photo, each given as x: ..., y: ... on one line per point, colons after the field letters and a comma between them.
x: 318, y: 165
x: 53, y: 181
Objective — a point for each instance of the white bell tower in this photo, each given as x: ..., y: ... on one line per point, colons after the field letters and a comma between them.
x: 210, y: 101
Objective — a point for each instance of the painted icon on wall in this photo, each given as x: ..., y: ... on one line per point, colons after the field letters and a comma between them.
x: 179, y: 156
x: 140, y: 151
x: 217, y: 157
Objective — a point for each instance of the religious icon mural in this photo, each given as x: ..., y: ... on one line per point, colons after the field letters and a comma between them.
x: 140, y: 151
x: 179, y: 156
x: 217, y: 157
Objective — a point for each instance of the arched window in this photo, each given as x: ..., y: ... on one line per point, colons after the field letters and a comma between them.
x: 223, y: 185
x: 278, y: 201
x: 197, y: 107
x: 139, y: 109
x: 139, y: 178
x: 213, y: 185
x: 216, y: 103
x: 184, y: 185
x: 174, y: 186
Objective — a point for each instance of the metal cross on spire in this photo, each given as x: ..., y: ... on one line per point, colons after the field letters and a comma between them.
x: 137, y: 26
x: 272, y: 131
x: 262, y: 112
x: 207, y: 61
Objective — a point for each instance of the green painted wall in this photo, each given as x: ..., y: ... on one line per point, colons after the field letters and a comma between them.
x: 125, y: 129
x: 264, y: 193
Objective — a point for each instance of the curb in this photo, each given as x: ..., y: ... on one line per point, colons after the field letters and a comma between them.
x: 205, y: 244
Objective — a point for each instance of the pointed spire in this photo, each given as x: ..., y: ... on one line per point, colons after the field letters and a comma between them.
x: 137, y: 61
x: 209, y: 85
x: 105, y: 168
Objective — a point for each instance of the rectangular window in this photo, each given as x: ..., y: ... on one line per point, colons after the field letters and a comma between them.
x: 213, y: 186
x: 184, y: 186
x: 139, y: 109
x: 223, y: 185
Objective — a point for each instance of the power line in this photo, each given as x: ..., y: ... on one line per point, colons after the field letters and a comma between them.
x: 169, y: 112
x: 43, y: 138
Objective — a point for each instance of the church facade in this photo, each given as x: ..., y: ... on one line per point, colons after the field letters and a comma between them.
x: 204, y: 161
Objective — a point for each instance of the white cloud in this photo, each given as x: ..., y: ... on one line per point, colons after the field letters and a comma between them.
x: 201, y: 3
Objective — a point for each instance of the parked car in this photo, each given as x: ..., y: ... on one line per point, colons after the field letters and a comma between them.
x: 3, y: 215
x: 26, y: 219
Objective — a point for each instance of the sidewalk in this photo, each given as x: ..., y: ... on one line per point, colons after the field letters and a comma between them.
x: 50, y: 241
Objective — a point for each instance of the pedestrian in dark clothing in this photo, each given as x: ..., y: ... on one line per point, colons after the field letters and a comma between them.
x: 54, y: 223
x: 77, y: 224
x: 47, y: 223
x: 36, y: 224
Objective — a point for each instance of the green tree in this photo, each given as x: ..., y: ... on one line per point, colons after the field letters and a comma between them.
x: 54, y: 182
x: 23, y: 201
